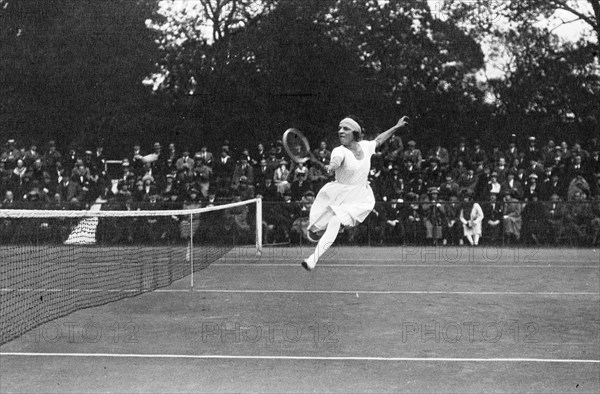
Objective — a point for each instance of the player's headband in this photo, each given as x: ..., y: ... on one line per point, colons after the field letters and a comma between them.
x: 351, y: 123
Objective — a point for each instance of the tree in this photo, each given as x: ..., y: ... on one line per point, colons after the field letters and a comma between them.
x: 72, y: 70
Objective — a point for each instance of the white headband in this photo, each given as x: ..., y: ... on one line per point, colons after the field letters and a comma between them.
x: 351, y: 123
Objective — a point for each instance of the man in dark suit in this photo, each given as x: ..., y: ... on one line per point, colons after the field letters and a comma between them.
x: 492, y: 222
x: 223, y: 170
x: 512, y: 186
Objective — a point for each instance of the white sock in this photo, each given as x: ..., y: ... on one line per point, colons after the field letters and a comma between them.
x: 333, y: 227
x: 476, y: 239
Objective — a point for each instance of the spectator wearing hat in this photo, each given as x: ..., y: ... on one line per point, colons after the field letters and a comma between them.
x: 595, y: 186
x: 245, y: 190
x: 322, y: 152
x: 493, y: 186
x: 478, y: 155
x: 532, y: 188
x: 532, y: 152
x: 577, y: 185
x: 280, y: 177
x: 461, y: 153
x: 30, y: 155
x: 259, y: 154
x: 433, y: 174
x: 243, y: 168
x: 512, y: 220
x: 68, y: 188
x: 171, y: 157
x: 471, y: 217
x: 301, y: 185
x: 576, y: 166
x: 452, y: 230
x: 261, y: 173
x: 223, y: 169
x: 441, y: 154
x: 135, y: 159
x: 449, y: 188
x: 512, y: 152
x: 391, y: 215
x: 413, y: 155
x: 535, y: 220
x: 501, y: 169
x: 492, y: 224
x: 434, y: 217
x: 11, y: 154
x: 534, y: 167
x: 205, y: 155
x: 185, y: 162
x: 51, y: 157
x: 127, y: 175
x: 512, y: 186
x: 268, y: 190
x: 547, y: 152
x: 414, y: 229
x: 98, y: 162
x: 553, y: 185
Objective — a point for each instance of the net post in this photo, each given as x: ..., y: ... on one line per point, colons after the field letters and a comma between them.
x: 191, y: 246
x: 259, y: 226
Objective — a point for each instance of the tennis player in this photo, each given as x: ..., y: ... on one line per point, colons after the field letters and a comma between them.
x: 349, y: 199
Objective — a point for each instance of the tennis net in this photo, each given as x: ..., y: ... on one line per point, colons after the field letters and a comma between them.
x: 55, y: 262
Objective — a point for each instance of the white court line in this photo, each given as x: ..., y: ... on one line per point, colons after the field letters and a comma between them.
x: 333, y: 265
x: 258, y: 291
x: 309, y: 358
x: 196, y: 290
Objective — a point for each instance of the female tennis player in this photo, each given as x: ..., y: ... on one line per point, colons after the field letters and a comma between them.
x: 349, y: 199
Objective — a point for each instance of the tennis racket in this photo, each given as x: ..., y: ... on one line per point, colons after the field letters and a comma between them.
x: 296, y: 145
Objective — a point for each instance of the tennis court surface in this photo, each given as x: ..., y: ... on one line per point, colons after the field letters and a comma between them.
x: 403, y: 319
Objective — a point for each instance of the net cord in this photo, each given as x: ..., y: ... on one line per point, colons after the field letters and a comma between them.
x: 40, y: 213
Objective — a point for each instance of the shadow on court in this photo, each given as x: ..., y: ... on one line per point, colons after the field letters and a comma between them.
x: 366, y: 320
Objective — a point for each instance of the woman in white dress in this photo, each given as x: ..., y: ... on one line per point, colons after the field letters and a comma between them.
x: 471, y: 216
x: 349, y: 199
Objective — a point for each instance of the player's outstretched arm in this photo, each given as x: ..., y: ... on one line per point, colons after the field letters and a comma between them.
x: 381, y: 138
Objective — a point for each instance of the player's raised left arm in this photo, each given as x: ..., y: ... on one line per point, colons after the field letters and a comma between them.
x: 381, y: 138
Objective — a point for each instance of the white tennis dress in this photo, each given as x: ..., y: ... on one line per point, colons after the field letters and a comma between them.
x: 349, y: 197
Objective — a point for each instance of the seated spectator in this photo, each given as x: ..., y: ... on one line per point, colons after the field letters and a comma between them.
x: 243, y: 168
x: 412, y: 154
x: 552, y: 186
x: 452, y: 231
x: 449, y: 188
x: 512, y: 186
x: 532, y: 187
x: 414, y: 229
x: 493, y: 213
x: 577, y: 185
x: 280, y: 178
x: 471, y: 217
x: 300, y: 185
x: 433, y: 217
x: 468, y: 182
x: 512, y: 220
x: 391, y: 214
x: 245, y: 190
x: 268, y: 191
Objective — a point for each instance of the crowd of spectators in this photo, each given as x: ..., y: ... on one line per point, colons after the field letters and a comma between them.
x: 421, y: 192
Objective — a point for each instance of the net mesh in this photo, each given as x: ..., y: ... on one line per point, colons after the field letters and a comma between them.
x: 53, y: 263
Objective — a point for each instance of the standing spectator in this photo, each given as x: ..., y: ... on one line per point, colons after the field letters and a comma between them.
x: 259, y: 155
x: 414, y: 230
x: 171, y: 158
x: 185, y: 162
x: 206, y: 156
x: 556, y: 216
x: 501, y: 169
x: 68, y: 188
x: 98, y: 164
x: 471, y: 216
x: 31, y: 155
x: 394, y: 186
x: 262, y: 173
x: 135, y: 159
